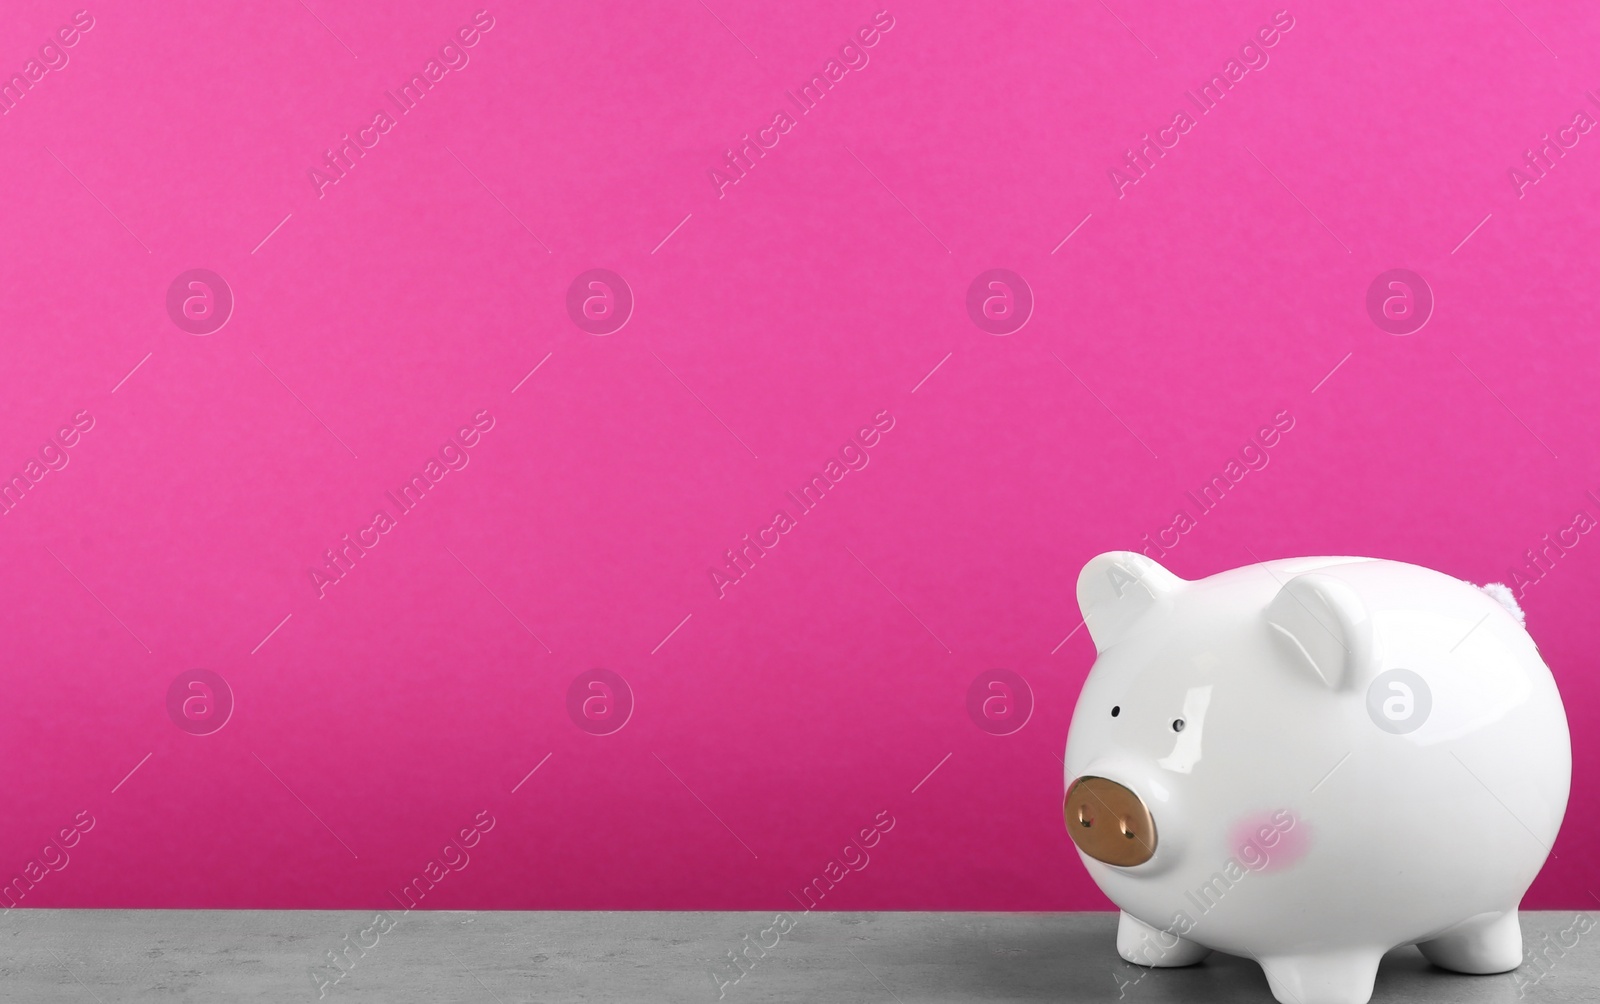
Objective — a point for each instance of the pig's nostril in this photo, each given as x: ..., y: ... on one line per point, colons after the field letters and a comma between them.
x: 1127, y: 831
x: 1084, y: 820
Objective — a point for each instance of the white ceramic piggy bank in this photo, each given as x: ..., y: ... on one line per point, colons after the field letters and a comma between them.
x: 1312, y: 761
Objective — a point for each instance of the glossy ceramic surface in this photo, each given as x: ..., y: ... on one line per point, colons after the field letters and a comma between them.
x: 1340, y: 756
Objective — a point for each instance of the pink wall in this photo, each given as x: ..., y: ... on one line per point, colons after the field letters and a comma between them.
x: 825, y: 290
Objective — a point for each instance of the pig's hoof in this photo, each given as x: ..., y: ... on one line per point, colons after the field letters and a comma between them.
x: 1143, y: 945
x: 1481, y: 945
x: 1343, y: 977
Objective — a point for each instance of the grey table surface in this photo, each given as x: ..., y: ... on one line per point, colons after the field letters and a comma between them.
x: 214, y: 955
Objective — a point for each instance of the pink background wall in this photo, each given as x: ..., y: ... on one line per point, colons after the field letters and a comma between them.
x: 375, y: 317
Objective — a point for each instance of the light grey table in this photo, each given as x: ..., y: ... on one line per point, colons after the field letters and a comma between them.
x: 206, y: 955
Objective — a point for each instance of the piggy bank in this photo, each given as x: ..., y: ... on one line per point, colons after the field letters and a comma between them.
x: 1312, y: 761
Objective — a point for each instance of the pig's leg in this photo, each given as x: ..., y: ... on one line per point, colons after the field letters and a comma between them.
x: 1484, y: 944
x: 1336, y: 977
x: 1140, y: 943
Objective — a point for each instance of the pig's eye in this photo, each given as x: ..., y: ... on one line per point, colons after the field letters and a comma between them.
x: 1177, y: 725
x: 1116, y: 709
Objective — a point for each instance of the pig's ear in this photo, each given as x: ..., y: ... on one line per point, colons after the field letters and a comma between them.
x: 1322, y: 625
x: 1118, y: 588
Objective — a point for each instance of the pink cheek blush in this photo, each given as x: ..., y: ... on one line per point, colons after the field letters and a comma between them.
x: 1293, y: 841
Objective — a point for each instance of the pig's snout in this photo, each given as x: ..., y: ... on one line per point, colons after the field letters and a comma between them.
x: 1109, y: 822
